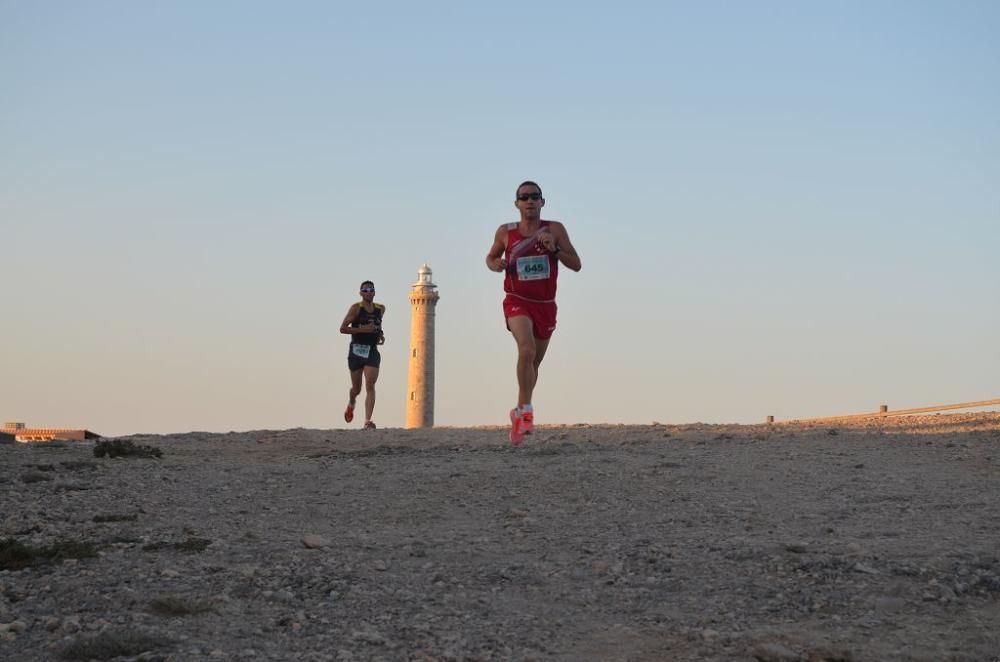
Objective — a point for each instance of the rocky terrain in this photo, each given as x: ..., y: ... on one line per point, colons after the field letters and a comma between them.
x: 848, y: 540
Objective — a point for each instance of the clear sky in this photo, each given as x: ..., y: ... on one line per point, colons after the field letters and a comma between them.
x: 783, y: 208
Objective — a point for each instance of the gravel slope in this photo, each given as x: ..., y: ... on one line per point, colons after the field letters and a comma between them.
x: 852, y: 540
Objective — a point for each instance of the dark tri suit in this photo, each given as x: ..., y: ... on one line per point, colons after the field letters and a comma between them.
x: 363, y: 349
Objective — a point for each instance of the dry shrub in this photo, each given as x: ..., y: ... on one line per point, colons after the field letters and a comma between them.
x: 113, y: 643
x: 114, y: 518
x: 124, y: 448
x: 15, y: 555
x: 172, y: 605
x: 35, y: 477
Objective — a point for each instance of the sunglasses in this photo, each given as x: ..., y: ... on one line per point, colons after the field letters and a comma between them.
x: 368, y: 290
x: 529, y: 196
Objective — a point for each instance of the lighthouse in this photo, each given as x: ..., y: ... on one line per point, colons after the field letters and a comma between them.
x: 420, y: 384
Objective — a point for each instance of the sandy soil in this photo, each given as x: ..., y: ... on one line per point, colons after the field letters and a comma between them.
x: 846, y: 540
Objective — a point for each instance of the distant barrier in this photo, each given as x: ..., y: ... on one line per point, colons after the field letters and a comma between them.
x: 883, y: 411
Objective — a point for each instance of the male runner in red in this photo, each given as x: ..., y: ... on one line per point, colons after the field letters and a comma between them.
x: 528, y: 253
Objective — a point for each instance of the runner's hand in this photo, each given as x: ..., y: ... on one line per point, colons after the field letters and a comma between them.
x: 547, y: 241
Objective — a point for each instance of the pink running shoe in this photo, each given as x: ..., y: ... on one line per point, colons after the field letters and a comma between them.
x: 516, y: 431
x: 528, y: 422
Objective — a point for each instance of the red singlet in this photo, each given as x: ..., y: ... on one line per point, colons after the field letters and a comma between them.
x: 531, y: 269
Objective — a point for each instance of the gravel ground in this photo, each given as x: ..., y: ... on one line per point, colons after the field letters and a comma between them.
x: 847, y: 540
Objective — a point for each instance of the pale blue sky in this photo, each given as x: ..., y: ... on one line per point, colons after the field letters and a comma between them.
x: 784, y: 208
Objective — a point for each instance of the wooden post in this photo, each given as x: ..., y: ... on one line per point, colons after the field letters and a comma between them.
x: 769, y: 419
x: 883, y: 409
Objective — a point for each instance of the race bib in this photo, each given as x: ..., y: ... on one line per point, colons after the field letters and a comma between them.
x: 535, y: 267
x: 361, y: 350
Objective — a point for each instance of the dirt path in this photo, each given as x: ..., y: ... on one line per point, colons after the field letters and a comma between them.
x: 859, y: 541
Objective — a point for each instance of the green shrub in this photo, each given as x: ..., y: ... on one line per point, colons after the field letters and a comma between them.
x: 189, y: 545
x: 15, y: 555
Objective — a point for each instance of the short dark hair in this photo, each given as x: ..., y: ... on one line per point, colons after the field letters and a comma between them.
x: 528, y: 183
x: 366, y: 282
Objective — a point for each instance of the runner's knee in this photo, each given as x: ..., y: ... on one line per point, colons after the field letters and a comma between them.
x: 526, y: 352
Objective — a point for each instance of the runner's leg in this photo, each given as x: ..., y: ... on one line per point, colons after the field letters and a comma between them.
x: 523, y: 331
x: 352, y: 393
x: 371, y: 376
x: 540, y: 347
x: 352, y: 396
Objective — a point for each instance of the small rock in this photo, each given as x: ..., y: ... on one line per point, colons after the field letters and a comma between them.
x: 313, y: 541
x: 773, y: 653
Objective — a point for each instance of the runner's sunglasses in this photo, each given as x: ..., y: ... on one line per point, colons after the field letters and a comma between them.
x: 529, y: 196
x: 367, y: 290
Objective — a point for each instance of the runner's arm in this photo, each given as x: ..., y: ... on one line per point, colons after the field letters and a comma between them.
x: 494, y: 258
x: 564, y: 247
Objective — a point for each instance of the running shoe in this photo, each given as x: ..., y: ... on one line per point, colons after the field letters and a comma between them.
x: 516, y: 429
x: 349, y: 413
x: 369, y: 425
x: 528, y: 422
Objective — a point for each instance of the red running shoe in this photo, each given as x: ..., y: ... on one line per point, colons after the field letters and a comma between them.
x: 528, y: 422
x: 516, y: 428
x: 349, y: 413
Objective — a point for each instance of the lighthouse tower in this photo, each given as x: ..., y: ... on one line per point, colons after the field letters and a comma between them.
x: 420, y: 385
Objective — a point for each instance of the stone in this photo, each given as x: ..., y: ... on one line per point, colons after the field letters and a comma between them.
x: 773, y: 652
x: 313, y: 541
